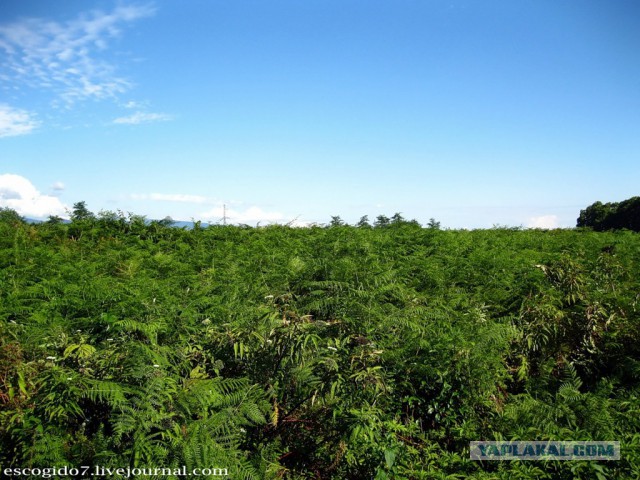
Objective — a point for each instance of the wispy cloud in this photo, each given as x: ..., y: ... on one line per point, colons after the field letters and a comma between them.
x: 15, y: 122
x: 142, y: 117
x: 19, y: 194
x: 131, y: 104
x: 66, y: 57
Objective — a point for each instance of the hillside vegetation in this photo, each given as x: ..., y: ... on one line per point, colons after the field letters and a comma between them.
x: 333, y: 352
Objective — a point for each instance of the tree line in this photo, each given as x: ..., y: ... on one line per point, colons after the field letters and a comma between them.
x: 612, y: 216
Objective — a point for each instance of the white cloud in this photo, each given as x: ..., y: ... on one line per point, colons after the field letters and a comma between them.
x: 19, y: 194
x: 64, y: 57
x: 543, y: 221
x: 142, y: 117
x: 58, y: 186
x: 15, y: 122
x: 250, y: 215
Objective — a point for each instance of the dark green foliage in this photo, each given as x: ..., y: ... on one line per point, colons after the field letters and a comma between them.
x: 343, y: 352
x: 612, y: 216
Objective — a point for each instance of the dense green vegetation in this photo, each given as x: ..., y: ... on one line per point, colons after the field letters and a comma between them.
x: 326, y: 352
x: 612, y: 216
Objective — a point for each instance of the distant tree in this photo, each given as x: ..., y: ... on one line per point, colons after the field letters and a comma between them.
x: 397, y: 219
x: 611, y: 216
x: 363, y: 222
x: 81, y: 212
x: 336, y: 221
x: 382, y: 221
x: 433, y: 224
x: 167, y: 221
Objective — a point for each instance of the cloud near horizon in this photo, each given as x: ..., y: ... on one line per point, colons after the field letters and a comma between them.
x: 544, y: 221
x: 249, y: 215
x: 234, y: 214
x: 19, y: 194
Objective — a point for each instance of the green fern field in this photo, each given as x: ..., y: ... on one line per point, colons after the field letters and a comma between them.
x: 335, y: 352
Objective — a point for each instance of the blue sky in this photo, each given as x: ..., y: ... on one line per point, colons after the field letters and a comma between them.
x: 514, y: 113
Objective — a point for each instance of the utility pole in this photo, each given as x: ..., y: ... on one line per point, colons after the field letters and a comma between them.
x: 224, y: 214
